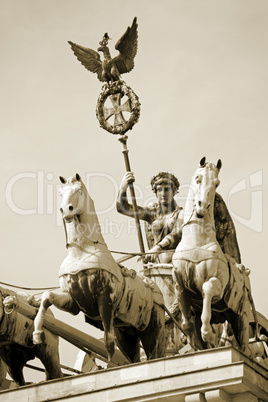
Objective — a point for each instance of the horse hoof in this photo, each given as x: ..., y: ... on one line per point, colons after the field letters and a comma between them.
x: 248, y: 352
x: 187, y: 327
x: 37, y: 337
x: 209, y: 337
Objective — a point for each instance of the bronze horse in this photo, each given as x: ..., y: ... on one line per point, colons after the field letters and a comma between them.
x: 16, y: 345
x: 207, y: 280
x: 125, y: 305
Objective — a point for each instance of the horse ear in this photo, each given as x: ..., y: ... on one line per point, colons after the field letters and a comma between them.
x: 219, y: 164
x: 62, y: 180
x: 203, y: 161
x: 78, y: 178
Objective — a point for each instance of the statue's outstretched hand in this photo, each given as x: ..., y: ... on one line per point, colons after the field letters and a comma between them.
x: 152, y: 254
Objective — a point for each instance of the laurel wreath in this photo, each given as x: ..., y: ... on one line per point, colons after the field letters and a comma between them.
x: 112, y: 89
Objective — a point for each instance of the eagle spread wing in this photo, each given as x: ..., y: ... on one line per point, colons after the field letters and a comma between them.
x: 89, y: 58
x: 110, y: 69
x: 225, y: 229
x: 127, y: 47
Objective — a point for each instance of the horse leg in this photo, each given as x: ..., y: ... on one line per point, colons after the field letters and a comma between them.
x: 198, y: 341
x: 62, y: 301
x: 154, y: 337
x: 210, y: 289
x: 15, y: 358
x: 3, y: 372
x: 243, y: 323
x: 240, y: 326
x: 227, y: 336
x: 15, y: 370
x: 182, y: 274
x: 105, y: 306
x: 48, y: 353
x: 128, y: 342
x: 184, y: 301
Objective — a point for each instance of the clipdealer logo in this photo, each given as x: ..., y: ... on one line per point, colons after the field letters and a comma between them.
x: 253, y: 186
x: 48, y: 201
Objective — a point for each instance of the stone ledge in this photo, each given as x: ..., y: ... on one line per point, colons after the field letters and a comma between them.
x: 202, y: 375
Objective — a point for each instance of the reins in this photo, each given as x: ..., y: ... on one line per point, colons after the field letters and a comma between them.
x: 186, y: 223
x: 66, y: 234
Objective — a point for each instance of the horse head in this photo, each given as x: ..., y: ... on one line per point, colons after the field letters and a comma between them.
x: 78, y: 207
x: 73, y: 198
x: 204, y: 184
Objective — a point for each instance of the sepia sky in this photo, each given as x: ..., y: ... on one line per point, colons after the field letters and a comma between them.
x: 201, y: 77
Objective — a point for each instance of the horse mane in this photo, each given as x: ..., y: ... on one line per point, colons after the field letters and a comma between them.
x: 90, y: 210
x: 225, y: 229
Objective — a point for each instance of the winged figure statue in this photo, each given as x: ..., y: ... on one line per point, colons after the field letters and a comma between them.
x: 110, y: 69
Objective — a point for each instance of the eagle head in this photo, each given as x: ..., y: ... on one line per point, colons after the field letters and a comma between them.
x: 104, y: 41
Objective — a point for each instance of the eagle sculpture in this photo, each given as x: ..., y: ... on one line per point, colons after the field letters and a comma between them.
x: 110, y: 68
